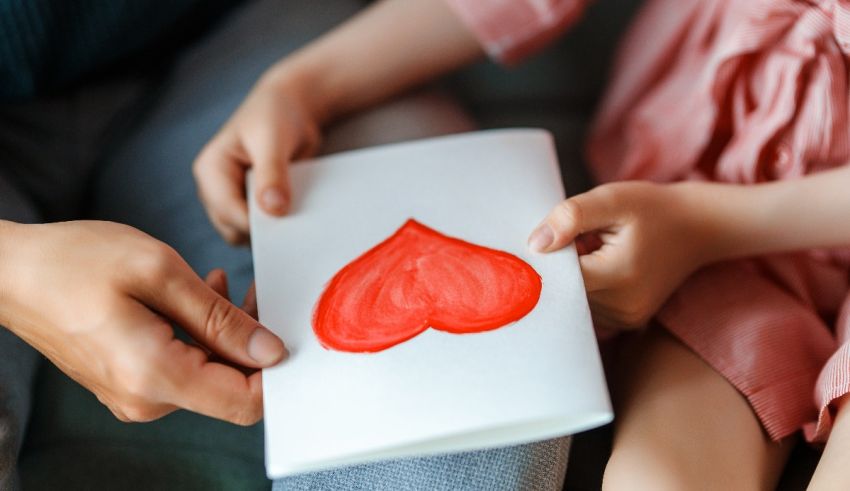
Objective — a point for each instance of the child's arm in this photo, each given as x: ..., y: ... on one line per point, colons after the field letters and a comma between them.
x: 653, y: 236
x: 807, y: 213
x: 387, y: 49
x: 390, y: 47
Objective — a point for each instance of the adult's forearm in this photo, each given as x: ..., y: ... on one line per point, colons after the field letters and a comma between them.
x: 6, y: 238
x: 392, y: 46
x: 10, y: 269
x: 740, y: 221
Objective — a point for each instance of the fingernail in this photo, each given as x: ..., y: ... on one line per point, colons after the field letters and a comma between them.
x: 265, y: 348
x: 274, y: 201
x: 541, y: 238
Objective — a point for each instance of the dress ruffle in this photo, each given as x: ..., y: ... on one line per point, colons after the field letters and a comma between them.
x: 727, y: 90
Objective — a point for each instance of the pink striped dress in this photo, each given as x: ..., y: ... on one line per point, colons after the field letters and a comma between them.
x: 740, y: 91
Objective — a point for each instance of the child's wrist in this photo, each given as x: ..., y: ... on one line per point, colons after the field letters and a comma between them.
x: 711, y: 231
x: 304, y: 81
x: 727, y: 218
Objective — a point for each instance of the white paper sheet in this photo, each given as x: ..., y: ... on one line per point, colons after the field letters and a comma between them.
x: 537, y: 378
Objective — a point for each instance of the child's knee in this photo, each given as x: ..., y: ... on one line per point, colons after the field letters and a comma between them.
x: 626, y: 471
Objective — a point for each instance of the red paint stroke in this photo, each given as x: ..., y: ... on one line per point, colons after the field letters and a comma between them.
x: 419, y: 278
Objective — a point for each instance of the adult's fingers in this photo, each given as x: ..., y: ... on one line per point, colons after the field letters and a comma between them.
x: 225, y: 393
x: 249, y: 303
x: 217, y: 280
x: 213, y: 389
x: 175, y: 291
x: 582, y: 213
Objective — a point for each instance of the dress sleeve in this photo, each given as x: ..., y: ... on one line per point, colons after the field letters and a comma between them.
x: 510, y: 30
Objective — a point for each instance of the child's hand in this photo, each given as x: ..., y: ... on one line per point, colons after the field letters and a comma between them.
x: 637, y: 242
x: 337, y: 74
x: 274, y: 126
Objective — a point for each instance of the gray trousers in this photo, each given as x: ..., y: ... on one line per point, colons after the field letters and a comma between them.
x: 122, y: 151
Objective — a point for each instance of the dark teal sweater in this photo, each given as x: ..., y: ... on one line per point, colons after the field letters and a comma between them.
x: 48, y: 45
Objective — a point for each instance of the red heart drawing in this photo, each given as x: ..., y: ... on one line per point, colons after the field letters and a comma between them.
x: 419, y: 278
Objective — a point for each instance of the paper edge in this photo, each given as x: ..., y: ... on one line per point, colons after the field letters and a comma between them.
x: 566, y: 427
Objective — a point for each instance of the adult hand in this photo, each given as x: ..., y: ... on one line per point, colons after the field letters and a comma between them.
x: 97, y: 299
x: 274, y: 126
x: 637, y: 242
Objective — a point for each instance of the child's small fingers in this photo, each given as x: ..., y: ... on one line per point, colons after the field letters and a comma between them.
x: 600, y: 269
x: 588, y: 243
x: 603, y: 323
x: 221, y: 185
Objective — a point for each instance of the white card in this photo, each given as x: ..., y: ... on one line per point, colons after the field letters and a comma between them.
x: 438, y: 391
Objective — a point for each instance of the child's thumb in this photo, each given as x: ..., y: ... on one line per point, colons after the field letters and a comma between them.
x: 581, y: 213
